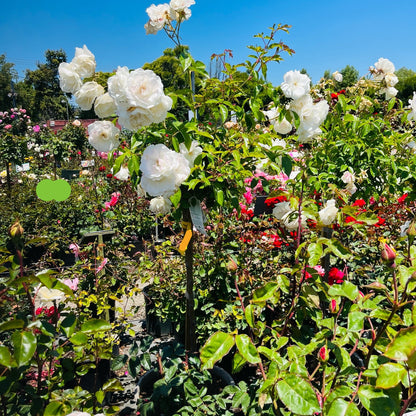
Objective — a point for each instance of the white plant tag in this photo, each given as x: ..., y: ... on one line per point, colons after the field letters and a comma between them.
x: 197, y: 215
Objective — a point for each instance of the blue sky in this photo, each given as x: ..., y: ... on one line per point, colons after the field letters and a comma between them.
x: 324, y: 34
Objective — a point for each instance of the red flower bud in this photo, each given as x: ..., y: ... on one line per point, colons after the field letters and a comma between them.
x: 388, y: 255
x: 323, y: 354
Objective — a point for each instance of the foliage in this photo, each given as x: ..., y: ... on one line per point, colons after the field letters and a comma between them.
x: 7, y: 74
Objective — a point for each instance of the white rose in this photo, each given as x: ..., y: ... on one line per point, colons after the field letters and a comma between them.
x: 337, y: 76
x: 160, y: 205
x: 86, y: 95
x: 103, y: 136
x: 123, y: 174
x: 391, y: 80
x: 383, y: 66
x: 69, y: 79
x: 104, y: 106
x: 412, y: 104
x: 84, y: 62
x: 311, y: 117
x: 139, y: 97
x: 348, y: 177
x: 295, y: 84
x: 46, y: 295
x: 390, y: 92
x: 281, y: 209
x: 76, y: 413
x: 158, y: 16
x: 180, y: 5
x: 191, y: 154
x: 328, y: 214
x: 351, y: 188
x: 281, y: 127
x: 163, y: 170
x: 291, y: 220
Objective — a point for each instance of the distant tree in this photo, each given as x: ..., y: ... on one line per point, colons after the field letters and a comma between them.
x: 327, y: 74
x: 7, y: 89
x: 404, y: 73
x: 349, y: 76
x: 49, y: 101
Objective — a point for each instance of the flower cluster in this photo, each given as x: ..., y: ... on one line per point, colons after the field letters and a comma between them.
x: 164, y: 14
x: 297, y: 86
x: 16, y: 122
x: 384, y: 71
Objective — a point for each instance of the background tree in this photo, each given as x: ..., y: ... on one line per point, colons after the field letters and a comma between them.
x: 49, y: 101
x: 407, y: 83
x: 350, y: 76
x: 7, y: 75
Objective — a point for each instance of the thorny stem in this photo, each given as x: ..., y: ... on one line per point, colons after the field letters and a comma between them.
x: 407, y: 403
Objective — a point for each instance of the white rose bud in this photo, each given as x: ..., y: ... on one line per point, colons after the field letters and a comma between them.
x: 104, y: 106
x: 103, y: 136
x: 191, y: 154
x: 84, y: 62
x: 123, y: 174
x: 69, y: 80
x: 86, y: 95
x: 337, y: 76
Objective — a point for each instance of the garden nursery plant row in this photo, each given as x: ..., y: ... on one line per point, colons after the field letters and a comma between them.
x: 272, y: 227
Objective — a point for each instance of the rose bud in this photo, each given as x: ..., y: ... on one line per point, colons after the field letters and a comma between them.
x: 16, y: 230
x: 388, y: 255
x: 333, y: 306
x: 323, y: 354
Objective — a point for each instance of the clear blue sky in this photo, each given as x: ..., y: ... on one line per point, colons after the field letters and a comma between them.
x: 324, y: 34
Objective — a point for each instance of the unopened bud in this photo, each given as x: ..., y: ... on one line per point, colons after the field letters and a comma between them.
x: 388, y: 255
x: 16, y: 230
x: 333, y: 306
x: 232, y: 265
x: 323, y: 354
x: 411, y: 231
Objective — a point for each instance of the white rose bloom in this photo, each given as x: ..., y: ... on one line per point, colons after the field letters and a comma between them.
x: 160, y: 205
x: 158, y: 16
x: 281, y: 127
x: 337, y: 76
x: 383, y: 67
x: 76, y: 413
x: 348, y: 177
x: 179, y: 5
x: 192, y: 153
x: 311, y: 115
x: 139, y: 97
x: 84, y: 62
x: 103, y: 136
x: 46, y: 295
x: 291, y: 220
x: 391, y: 80
x: 390, y: 92
x: 298, y: 104
x: 123, y: 174
x: 69, y: 79
x: 163, y: 170
x: 328, y: 214
x: 281, y: 209
x: 295, y: 84
x: 86, y: 95
x: 104, y: 106
x: 351, y: 188
x: 412, y: 103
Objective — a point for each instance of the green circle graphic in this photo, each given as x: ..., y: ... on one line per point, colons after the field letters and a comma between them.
x: 49, y: 190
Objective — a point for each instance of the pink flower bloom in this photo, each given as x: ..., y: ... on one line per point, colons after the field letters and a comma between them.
x: 74, y: 248
x: 102, y: 265
x: 248, y: 196
x: 335, y: 276
x: 320, y: 270
x: 36, y: 128
x: 72, y: 284
x: 8, y: 126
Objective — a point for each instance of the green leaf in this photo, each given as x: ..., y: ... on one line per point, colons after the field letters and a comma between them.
x: 176, y: 198
x: 217, y: 346
x: 113, y: 385
x: 79, y: 339
x: 12, y: 324
x: 249, y: 315
x: 265, y: 292
x: 6, y: 359
x: 378, y: 402
x: 223, y: 112
x: 68, y: 325
x: 297, y: 395
x: 315, y: 253
x: 340, y: 407
x: 389, y: 375
x: 100, y: 396
x: 287, y: 164
x: 219, y: 196
x: 238, y: 362
x: 247, y: 348
x: 57, y: 409
x: 356, y: 321
x: 95, y: 325
x: 403, y: 347
x: 24, y: 344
